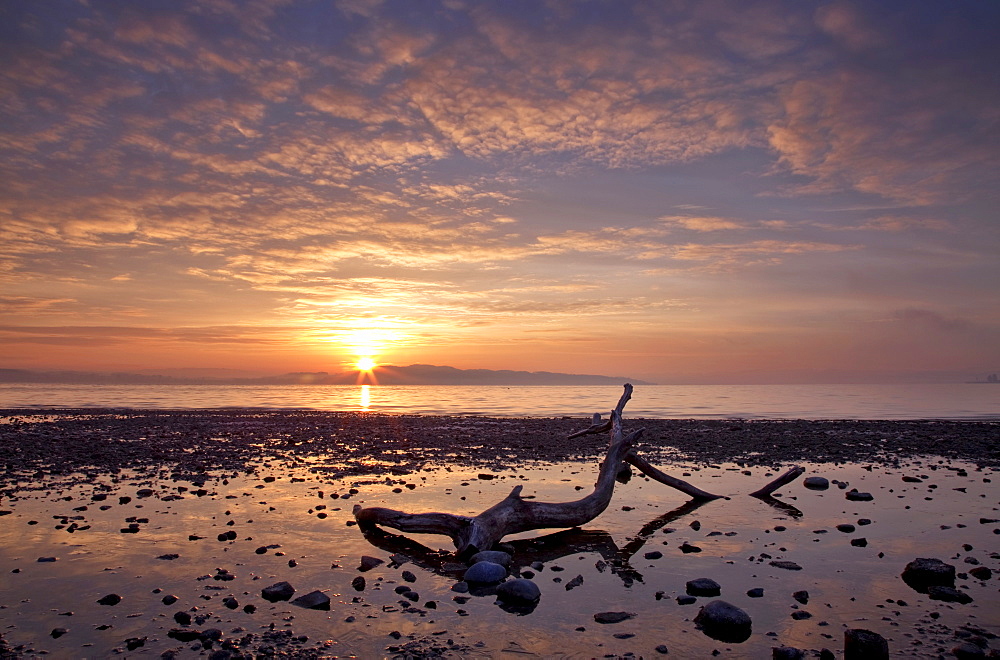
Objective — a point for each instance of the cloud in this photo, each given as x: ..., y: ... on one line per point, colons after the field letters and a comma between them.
x: 705, y: 223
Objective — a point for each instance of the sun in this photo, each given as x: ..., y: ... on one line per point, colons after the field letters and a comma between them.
x: 365, y: 363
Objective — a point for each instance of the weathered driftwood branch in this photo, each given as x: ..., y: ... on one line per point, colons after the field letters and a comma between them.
x: 787, y: 477
x: 514, y: 514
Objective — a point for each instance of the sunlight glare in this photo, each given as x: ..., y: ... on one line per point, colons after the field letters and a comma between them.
x: 365, y: 363
x: 366, y: 397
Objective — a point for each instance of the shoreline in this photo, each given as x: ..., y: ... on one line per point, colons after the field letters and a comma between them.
x: 196, y: 442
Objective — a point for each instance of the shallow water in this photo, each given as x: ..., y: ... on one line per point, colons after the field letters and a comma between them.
x: 848, y: 586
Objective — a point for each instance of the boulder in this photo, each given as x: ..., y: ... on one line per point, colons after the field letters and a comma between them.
x: 519, y: 591
x: 314, y: 600
x: 923, y: 572
x: 861, y: 644
x: 485, y: 572
x: 724, y: 621
x: 703, y: 587
x: 494, y: 556
x: 277, y: 591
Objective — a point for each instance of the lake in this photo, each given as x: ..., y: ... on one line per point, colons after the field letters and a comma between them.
x: 956, y: 401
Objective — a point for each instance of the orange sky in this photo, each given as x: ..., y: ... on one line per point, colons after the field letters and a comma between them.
x: 673, y: 191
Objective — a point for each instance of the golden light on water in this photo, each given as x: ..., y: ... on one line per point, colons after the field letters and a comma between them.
x: 366, y: 397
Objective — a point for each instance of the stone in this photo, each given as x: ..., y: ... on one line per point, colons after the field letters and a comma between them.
x: 787, y: 653
x: 801, y: 596
x: 948, y: 594
x: 613, y: 617
x: 368, y: 563
x: 924, y: 572
x: 58, y: 632
x: 855, y: 496
x: 277, y: 591
x: 703, y: 587
x: 816, y: 483
x: 756, y: 592
x: 785, y: 564
x: 981, y: 573
x: 110, y: 599
x: 968, y: 651
x: 358, y: 583
x: 231, y: 602
x: 574, y: 583
x: 724, y: 622
x: 861, y: 644
x: 494, y: 556
x: 183, y: 618
x: 485, y: 572
x: 686, y: 600
x: 169, y: 599
x: 314, y: 600
x: 519, y: 590
x: 654, y: 554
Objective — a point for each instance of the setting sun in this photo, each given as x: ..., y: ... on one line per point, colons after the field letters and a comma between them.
x: 365, y: 364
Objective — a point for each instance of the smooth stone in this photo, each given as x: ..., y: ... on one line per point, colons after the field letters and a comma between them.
x: 703, y: 587
x: 368, y: 563
x: 856, y: 496
x: 613, y: 617
x: 519, y: 590
x: 786, y: 653
x: 785, y: 564
x: 861, y: 644
x: 756, y: 592
x: 816, y: 483
x: 724, y: 621
x: 277, y: 591
x: 485, y: 572
x: 358, y: 583
x: 948, y: 594
x: 494, y: 556
x: 110, y: 599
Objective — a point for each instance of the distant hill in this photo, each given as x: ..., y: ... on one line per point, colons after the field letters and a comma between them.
x: 414, y: 374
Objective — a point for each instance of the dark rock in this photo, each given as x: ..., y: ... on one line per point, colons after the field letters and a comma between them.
x: 686, y: 600
x: 847, y: 528
x: 494, y: 556
x: 169, y: 599
x: 230, y: 602
x: 801, y: 596
x: 655, y: 554
x: 816, y: 483
x: 169, y: 557
x: 703, y: 587
x: 981, y: 573
x: 855, y: 496
x: 861, y: 644
x: 314, y: 600
x: 183, y: 618
x: 519, y: 591
x: 725, y: 622
x: 358, y: 583
x: 613, y: 617
x: 924, y: 572
x: 662, y: 648
x: 277, y: 591
x: 860, y: 542
x: 785, y: 564
x: 968, y: 651
x: 58, y: 632
x: 574, y: 583
x: 182, y: 635
x: 687, y: 548
x: 43, y: 560
x: 485, y: 572
x: 948, y: 594
x: 409, y: 576
x: 787, y: 653
x: 110, y: 599
x: 368, y: 563
x: 132, y: 643
x: 800, y: 615
x: 756, y: 592
x: 250, y: 609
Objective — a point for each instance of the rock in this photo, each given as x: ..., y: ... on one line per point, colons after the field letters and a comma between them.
x: 787, y: 653
x: 724, y: 621
x: 800, y: 615
x: 494, y: 556
x: 654, y: 554
x: 613, y: 617
x: 277, y: 591
x: 860, y: 542
x: 43, y: 560
x: 662, y: 648
x: 169, y: 599
x: 816, y: 483
x: 846, y: 528
x: 703, y: 587
x: 785, y: 564
x: 855, y: 496
x: 801, y: 596
x: 230, y: 602
x: 968, y: 651
x: 110, y: 599
x: 132, y: 643
x: 687, y: 548
x: 923, y: 572
x: 182, y: 635
x: 183, y: 618
x: 756, y: 592
x: 485, y: 572
x: 861, y: 644
x: 58, y: 632
x: 519, y: 591
x: 574, y: 583
x: 358, y: 583
x: 981, y: 573
x: 686, y: 600
x: 408, y: 576
x: 314, y: 600
x: 368, y: 563
x: 948, y: 594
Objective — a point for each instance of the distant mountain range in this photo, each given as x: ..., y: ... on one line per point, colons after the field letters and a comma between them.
x: 414, y: 374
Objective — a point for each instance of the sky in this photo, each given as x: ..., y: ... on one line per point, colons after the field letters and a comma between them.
x: 677, y: 191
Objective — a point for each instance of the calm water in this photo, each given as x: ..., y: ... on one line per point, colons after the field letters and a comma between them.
x: 923, y: 401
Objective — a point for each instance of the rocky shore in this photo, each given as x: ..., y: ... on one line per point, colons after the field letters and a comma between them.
x: 212, y: 531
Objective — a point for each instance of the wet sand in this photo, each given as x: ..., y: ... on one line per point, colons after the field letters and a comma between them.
x: 112, y: 495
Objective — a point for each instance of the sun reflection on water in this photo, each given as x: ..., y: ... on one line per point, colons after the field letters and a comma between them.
x: 366, y: 398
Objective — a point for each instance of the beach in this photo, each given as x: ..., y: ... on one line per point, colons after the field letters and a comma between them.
x: 206, y: 508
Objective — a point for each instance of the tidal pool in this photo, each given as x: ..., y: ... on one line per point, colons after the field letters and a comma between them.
x: 292, y: 522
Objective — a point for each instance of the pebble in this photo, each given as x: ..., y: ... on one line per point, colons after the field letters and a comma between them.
x: 724, y: 621
x: 703, y: 587
x: 613, y: 617
x: 110, y: 599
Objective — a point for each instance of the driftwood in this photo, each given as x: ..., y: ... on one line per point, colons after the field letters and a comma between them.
x: 515, y: 514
